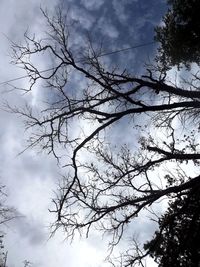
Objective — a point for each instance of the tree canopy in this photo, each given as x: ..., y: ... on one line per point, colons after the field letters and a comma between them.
x: 124, y: 142
x: 179, y: 34
x: 177, y: 241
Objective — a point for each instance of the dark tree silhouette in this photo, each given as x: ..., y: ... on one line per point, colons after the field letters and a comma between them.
x: 108, y: 181
x: 179, y: 36
x: 3, y: 254
x: 7, y: 214
x: 177, y: 241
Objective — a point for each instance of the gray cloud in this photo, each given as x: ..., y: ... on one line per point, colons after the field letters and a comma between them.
x: 32, y: 177
x: 32, y: 231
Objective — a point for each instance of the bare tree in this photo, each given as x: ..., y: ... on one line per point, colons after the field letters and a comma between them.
x: 109, y: 183
x: 7, y: 214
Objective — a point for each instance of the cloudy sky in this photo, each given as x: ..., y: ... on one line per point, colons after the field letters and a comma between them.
x: 31, y: 178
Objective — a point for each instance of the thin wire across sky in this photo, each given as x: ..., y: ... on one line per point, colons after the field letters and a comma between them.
x: 101, y: 55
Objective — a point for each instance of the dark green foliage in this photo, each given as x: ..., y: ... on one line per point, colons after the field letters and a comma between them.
x: 177, y: 243
x: 179, y: 37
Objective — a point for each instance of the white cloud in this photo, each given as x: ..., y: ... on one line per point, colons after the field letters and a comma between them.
x: 120, y: 12
x: 31, y: 177
x: 92, y: 4
x: 81, y: 15
x: 121, y: 8
x: 107, y: 28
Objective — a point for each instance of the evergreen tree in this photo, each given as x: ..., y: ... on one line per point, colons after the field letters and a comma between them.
x: 179, y: 36
x: 177, y: 241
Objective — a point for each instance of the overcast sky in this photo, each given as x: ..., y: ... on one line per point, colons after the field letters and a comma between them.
x: 31, y: 177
